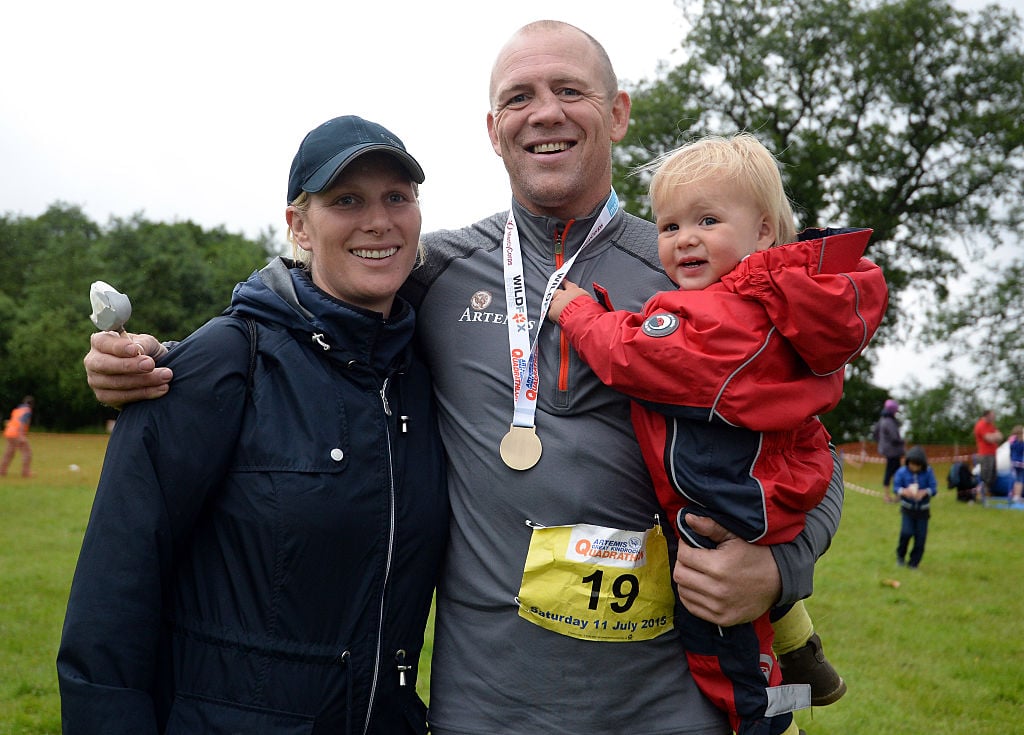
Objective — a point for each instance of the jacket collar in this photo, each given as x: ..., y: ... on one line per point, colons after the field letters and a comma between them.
x: 282, y: 293
x: 539, y: 233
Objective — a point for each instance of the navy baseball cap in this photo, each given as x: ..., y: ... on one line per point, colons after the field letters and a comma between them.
x: 328, y: 149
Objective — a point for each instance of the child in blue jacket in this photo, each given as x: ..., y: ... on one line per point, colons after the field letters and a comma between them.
x: 1017, y: 463
x: 914, y: 484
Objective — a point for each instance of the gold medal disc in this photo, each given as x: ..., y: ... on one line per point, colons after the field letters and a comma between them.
x: 521, y: 448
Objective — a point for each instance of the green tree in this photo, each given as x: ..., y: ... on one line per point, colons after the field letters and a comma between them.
x: 857, y: 412
x: 943, y: 414
x: 982, y: 336
x: 901, y: 116
x: 181, y: 275
x: 45, y: 333
x: 16, y: 248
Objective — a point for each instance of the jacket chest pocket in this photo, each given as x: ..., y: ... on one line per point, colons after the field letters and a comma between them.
x: 299, y: 423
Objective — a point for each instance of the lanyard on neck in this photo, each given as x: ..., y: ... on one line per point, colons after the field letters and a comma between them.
x: 523, y: 352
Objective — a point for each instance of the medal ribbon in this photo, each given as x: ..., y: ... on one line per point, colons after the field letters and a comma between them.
x: 523, y: 353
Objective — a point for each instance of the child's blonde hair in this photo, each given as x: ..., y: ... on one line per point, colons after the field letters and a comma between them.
x: 740, y: 158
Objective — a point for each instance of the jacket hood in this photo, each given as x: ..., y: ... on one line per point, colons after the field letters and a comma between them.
x: 916, y: 454
x: 282, y: 293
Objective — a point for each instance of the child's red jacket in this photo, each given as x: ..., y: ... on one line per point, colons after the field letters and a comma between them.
x: 728, y: 381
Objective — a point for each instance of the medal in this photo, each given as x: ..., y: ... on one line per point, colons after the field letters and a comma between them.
x: 520, y: 447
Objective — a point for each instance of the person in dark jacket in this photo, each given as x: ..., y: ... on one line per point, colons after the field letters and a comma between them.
x: 263, y: 549
x: 914, y: 485
x: 962, y: 479
x: 890, y: 442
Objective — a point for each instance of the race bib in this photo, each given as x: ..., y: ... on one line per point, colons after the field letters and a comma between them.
x: 598, y: 583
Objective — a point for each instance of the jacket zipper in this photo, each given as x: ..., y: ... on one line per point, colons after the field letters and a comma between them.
x: 391, y: 550
x: 563, y: 341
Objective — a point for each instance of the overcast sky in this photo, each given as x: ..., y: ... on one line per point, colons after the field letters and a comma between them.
x: 192, y: 110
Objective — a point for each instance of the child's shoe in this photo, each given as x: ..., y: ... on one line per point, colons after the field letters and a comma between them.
x: 808, y: 665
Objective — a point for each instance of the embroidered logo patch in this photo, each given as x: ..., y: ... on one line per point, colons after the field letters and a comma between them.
x: 480, y: 300
x: 660, y: 325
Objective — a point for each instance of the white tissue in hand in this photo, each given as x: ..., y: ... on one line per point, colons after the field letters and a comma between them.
x: 110, y: 307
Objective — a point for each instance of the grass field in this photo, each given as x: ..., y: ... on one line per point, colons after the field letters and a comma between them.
x: 941, y: 653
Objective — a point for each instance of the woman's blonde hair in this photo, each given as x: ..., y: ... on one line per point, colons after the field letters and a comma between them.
x: 740, y: 158
x: 304, y: 257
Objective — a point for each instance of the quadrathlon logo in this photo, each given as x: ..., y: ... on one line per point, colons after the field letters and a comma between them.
x: 606, y: 546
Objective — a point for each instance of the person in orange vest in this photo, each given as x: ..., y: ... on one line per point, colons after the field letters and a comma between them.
x: 16, y: 433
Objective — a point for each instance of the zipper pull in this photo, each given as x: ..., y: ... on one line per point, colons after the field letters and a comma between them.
x: 319, y: 339
x: 560, y: 243
x: 401, y: 666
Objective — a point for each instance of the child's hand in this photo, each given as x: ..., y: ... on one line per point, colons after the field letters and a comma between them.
x: 561, y: 298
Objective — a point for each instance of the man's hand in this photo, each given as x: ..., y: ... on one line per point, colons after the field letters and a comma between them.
x: 734, y: 583
x: 122, y: 369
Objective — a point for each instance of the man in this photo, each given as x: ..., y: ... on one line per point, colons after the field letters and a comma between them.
x: 987, y: 438
x: 569, y: 460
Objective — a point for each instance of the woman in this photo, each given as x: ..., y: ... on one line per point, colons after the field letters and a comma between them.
x: 890, y: 443
x: 263, y: 549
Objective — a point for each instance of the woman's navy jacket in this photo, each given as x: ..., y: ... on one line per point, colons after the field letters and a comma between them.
x: 262, y: 559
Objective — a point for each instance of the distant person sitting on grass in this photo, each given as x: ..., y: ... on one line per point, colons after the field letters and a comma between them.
x: 962, y: 479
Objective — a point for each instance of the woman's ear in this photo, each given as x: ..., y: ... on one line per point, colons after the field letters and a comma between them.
x: 297, y: 224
